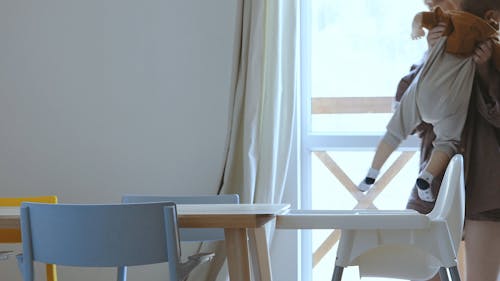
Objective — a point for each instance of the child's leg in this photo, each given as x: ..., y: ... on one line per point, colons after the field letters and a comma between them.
x: 437, y: 164
x: 384, y: 150
x: 448, y: 132
x: 403, y: 121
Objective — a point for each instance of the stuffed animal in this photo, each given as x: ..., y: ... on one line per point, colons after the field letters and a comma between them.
x: 464, y: 31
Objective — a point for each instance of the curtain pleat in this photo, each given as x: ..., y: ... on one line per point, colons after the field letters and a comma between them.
x: 263, y: 112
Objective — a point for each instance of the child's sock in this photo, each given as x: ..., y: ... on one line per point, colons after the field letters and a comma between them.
x: 423, y: 185
x: 367, y: 183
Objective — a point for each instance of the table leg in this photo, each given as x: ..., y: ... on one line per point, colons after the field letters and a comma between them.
x: 237, y: 254
x: 260, y: 254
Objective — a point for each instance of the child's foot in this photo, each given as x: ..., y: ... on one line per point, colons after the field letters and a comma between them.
x: 424, y: 190
x: 366, y: 184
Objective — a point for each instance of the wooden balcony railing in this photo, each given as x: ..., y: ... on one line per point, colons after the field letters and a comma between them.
x: 351, y: 105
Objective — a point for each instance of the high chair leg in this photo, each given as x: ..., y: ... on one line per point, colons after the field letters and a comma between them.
x: 337, y: 273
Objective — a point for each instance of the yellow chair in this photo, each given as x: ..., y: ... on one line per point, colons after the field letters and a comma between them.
x: 14, y: 235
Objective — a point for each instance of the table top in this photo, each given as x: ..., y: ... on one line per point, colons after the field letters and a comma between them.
x: 256, y: 215
x: 222, y: 209
x: 195, y: 209
x: 9, y: 211
x: 9, y: 217
x: 228, y: 215
x: 196, y: 216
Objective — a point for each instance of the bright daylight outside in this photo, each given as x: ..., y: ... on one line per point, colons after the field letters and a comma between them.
x: 354, y: 54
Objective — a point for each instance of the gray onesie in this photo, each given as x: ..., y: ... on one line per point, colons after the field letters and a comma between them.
x: 439, y: 95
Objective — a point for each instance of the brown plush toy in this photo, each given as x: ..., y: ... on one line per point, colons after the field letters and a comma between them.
x: 464, y: 31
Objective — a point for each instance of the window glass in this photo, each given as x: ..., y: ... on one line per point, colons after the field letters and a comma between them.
x: 360, y: 48
x: 354, y: 53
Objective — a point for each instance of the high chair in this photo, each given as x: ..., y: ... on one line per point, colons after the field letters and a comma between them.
x: 402, y: 244
x: 416, y: 249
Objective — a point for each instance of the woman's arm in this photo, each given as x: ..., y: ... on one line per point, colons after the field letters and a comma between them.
x: 488, y: 78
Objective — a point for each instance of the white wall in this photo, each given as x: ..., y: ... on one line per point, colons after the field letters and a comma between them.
x: 104, y: 97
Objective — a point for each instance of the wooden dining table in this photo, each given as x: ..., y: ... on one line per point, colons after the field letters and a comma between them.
x: 244, y: 231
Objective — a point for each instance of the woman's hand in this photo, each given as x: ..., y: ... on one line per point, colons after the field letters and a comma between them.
x: 483, y: 53
x: 435, y: 33
x: 482, y: 57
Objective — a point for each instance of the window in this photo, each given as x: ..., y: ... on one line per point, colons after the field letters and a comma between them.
x: 353, y: 55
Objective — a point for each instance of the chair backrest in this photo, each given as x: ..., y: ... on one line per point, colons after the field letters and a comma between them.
x: 190, y: 234
x: 98, y: 235
x: 450, y: 203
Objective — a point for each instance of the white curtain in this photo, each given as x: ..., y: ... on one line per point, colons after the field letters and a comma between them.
x: 263, y: 107
x: 264, y: 102
x: 265, y: 88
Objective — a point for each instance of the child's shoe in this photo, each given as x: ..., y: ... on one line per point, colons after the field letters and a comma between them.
x: 424, y: 190
x: 367, y: 183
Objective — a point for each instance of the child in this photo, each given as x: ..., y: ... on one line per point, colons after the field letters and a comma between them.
x: 440, y: 93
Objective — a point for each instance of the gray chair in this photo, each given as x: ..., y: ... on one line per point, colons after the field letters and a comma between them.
x: 190, y: 234
x: 101, y: 235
